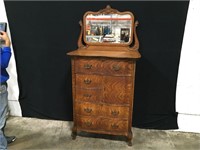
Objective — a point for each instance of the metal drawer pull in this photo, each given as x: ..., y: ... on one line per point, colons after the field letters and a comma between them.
x: 87, y: 81
x: 116, y: 67
x: 88, y: 123
x: 87, y: 66
x: 88, y: 110
x: 114, y: 126
x: 115, y: 113
x: 87, y: 95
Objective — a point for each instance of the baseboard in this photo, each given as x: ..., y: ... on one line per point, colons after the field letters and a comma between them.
x: 14, y: 108
x: 189, y: 123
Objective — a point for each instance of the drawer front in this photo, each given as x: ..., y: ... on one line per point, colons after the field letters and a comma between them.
x: 87, y: 65
x: 88, y: 81
x: 117, y: 90
x: 115, y: 111
x: 92, y: 95
x: 88, y: 123
x: 117, y: 67
x: 115, y: 125
x: 87, y: 109
x: 102, y: 124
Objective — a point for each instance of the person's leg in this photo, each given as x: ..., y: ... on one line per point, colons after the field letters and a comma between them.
x: 9, y: 139
x: 3, y: 111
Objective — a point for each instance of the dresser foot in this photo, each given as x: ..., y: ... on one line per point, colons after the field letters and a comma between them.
x: 74, y: 134
x: 130, y: 143
x: 129, y: 139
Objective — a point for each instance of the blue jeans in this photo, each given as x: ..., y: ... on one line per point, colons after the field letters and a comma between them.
x: 3, y: 111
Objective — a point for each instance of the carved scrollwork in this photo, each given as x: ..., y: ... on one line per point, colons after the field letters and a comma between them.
x: 108, y: 10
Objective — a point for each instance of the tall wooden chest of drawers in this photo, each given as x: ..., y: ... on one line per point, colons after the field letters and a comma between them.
x: 103, y: 87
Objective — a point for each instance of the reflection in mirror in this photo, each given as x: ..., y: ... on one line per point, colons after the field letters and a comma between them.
x: 108, y: 28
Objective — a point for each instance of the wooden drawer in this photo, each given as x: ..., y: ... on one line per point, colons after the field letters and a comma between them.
x: 88, y: 123
x: 92, y: 95
x: 115, y: 125
x: 87, y: 65
x: 102, y: 124
x: 88, y: 81
x: 87, y: 109
x: 117, y: 90
x: 115, y: 111
x: 117, y: 67
x: 105, y: 67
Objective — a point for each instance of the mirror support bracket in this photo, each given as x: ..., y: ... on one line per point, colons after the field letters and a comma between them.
x: 136, y: 44
x: 80, y: 39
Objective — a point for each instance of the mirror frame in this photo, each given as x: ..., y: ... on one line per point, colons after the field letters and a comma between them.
x: 108, y: 10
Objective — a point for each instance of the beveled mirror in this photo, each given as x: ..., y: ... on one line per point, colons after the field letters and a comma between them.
x: 108, y: 27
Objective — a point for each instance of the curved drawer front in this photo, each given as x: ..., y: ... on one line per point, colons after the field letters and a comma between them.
x: 88, y: 123
x: 102, y: 124
x: 115, y: 111
x: 88, y: 81
x: 117, y: 67
x: 87, y: 65
x: 102, y: 110
x: 113, y: 125
x: 87, y: 109
x: 93, y: 95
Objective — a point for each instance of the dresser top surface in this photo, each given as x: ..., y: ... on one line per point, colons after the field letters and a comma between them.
x: 106, y: 53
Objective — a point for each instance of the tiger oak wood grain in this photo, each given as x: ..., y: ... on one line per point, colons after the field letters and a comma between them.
x: 103, y: 85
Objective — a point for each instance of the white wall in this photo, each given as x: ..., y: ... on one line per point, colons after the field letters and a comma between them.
x: 13, y: 89
x: 188, y: 84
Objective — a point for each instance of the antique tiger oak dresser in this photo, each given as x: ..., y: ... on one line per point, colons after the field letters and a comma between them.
x: 103, y: 73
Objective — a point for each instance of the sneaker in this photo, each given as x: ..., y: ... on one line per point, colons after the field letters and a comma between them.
x: 10, y: 139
